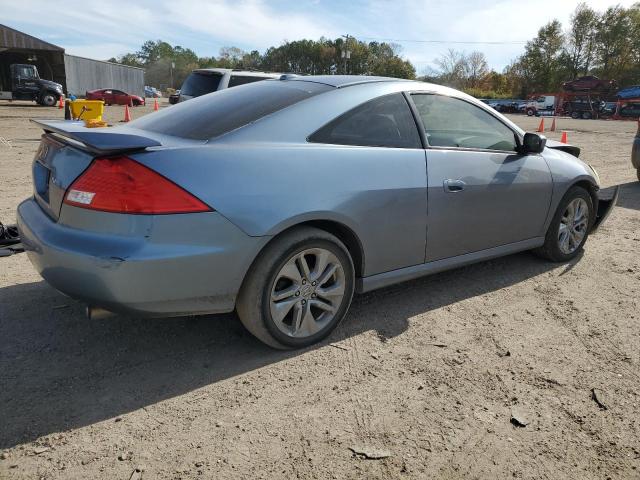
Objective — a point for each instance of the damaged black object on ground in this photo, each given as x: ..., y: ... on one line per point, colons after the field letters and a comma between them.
x: 9, y: 240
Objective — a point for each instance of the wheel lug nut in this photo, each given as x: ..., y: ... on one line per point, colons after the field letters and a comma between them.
x: 304, y: 281
x: 304, y: 301
x: 313, y: 295
x: 314, y: 283
x: 297, y: 294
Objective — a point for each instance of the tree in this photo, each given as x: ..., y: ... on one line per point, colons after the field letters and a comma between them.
x: 614, y: 47
x: 581, y: 40
x: 541, y: 67
x: 475, y: 69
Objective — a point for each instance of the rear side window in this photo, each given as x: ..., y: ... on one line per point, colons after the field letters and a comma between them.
x: 236, y: 80
x: 213, y: 115
x: 197, y: 84
x: 383, y: 122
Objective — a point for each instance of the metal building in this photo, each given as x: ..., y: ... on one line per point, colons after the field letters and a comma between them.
x: 76, y: 74
x: 86, y: 74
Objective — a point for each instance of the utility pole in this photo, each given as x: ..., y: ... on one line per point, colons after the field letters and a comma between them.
x: 346, y: 53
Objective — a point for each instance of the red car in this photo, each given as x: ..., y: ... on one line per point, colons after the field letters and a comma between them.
x: 589, y: 82
x: 111, y: 96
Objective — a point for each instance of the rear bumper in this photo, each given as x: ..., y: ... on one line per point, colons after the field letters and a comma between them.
x: 172, y: 265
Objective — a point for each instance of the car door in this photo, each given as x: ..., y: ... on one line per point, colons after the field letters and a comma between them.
x: 481, y: 192
x: 120, y: 98
x: 107, y: 97
x: 24, y: 80
x: 380, y: 172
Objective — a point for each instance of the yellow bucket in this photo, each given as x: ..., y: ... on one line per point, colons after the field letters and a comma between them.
x: 87, y: 109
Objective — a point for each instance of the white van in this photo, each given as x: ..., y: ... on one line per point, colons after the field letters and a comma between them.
x: 207, y: 80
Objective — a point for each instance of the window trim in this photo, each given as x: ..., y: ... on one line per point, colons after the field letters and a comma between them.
x: 423, y: 131
x: 409, y: 105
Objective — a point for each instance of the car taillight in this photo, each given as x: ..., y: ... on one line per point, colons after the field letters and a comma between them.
x: 123, y: 185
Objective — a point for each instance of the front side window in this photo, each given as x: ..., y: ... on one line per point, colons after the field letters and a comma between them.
x: 451, y: 122
x: 26, y: 72
x: 236, y: 80
x: 383, y: 122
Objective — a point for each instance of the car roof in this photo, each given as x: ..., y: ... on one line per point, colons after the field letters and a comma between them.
x: 339, y: 81
x: 248, y: 73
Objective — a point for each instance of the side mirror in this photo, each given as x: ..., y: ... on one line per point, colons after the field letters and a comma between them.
x: 533, y: 143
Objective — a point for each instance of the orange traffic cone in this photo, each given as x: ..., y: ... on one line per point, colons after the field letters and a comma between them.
x: 564, y: 138
x: 155, y: 104
x: 541, y: 126
x: 553, y: 125
x: 60, y: 103
x: 127, y: 114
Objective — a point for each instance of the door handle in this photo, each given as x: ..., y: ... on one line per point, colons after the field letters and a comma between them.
x: 453, y: 186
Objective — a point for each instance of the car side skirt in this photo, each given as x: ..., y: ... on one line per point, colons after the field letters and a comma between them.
x: 385, y: 279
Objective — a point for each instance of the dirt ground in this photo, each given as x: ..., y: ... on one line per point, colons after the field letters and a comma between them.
x: 428, y: 372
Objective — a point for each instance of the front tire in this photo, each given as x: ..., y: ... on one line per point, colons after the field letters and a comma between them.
x: 48, y: 99
x: 570, y: 227
x: 298, y: 290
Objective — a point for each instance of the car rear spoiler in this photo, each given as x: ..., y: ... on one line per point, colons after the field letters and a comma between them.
x: 101, y: 141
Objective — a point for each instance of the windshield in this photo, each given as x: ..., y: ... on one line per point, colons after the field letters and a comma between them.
x: 220, y: 112
x: 199, y: 83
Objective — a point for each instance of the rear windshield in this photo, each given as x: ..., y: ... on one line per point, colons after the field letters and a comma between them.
x: 220, y: 112
x: 197, y: 84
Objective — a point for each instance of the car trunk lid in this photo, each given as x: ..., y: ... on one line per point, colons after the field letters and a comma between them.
x: 68, y: 148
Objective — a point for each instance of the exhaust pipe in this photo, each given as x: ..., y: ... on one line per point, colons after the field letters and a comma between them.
x: 97, y: 313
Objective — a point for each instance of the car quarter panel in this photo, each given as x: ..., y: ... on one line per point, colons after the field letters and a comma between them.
x: 146, y: 264
x: 379, y: 193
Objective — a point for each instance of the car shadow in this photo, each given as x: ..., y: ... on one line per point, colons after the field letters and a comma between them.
x: 60, y: 371
x: 629, y: 195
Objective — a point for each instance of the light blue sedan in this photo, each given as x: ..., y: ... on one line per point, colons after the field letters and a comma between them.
x: 282, y: 198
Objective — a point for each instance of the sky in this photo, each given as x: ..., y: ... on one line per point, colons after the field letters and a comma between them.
x: 110, y: 28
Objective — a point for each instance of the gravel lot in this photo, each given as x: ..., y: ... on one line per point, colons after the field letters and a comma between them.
x: 428, y: 372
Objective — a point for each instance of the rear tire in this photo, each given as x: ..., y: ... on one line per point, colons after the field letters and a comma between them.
x: 531, y: 112
x: 569, y: 228
x: 638, y: 174
x: 285, y: 300
x: 575, y: 115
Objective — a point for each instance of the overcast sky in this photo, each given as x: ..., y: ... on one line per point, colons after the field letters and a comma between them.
x: 112, y: 27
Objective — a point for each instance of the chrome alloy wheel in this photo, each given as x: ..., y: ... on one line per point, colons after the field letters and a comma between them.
x: 573, y: 226
x: 307, y: 292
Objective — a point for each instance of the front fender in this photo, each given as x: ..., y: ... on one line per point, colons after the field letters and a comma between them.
x: 567, y: 171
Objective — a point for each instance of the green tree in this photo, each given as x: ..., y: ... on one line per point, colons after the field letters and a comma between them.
x: 541, y: 67
x: 581, y: 40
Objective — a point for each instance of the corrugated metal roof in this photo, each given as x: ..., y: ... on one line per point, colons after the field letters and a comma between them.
x: 11, y: 38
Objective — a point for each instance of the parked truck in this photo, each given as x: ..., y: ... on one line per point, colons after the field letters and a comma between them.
x: 22, y: 82
x: 540, y: 103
